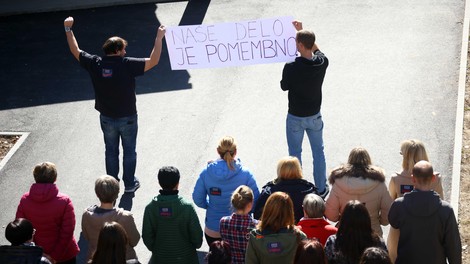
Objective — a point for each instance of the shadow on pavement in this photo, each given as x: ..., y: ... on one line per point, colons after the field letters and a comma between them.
x: 38, y: 68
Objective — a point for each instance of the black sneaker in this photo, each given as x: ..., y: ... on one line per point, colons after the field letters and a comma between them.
x: 325, y: 192
x: 132, y: 189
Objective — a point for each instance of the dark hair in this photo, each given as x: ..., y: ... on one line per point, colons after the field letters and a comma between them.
x: 355, y: 233
x: 19, y: 231
x: 107, y: 189
x: 310, y: 251
x: 306, y: 37
x: 219, y: 253
x: 375, y: 255
x: 45, y: 172
x: 111, y: 247
x: 168, y: 177
x: 113, y: 45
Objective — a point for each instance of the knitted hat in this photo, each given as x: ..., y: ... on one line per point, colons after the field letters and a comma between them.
x: 168, y: 177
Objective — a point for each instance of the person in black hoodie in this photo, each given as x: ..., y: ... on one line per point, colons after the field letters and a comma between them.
x: 427, y: 224
x: 303, y: 78
x: 289, y: 180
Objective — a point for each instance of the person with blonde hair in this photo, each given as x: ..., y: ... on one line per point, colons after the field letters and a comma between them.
x: 289, y: 180
x: 359, y: 180
x: 276, y: 237
x: 235, y: 228
x: 412, y: 151
x: 216, y: 183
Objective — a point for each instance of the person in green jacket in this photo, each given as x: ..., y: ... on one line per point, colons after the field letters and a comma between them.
x: 275, y: 239
x: 171, y: 228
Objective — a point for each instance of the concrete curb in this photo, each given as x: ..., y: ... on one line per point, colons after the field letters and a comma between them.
x: 12, y: 151
x: 455, y: 191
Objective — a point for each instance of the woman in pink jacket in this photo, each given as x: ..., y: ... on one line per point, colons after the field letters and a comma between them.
x: 52, y: 215
x: 359, y: 180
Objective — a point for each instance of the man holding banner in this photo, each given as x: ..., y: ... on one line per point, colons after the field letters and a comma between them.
x: 113, y: 78
x: 303, y: 79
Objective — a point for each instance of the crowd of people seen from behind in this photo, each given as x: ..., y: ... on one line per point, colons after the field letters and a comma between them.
x: 336, y: 219
x: 287, y: 222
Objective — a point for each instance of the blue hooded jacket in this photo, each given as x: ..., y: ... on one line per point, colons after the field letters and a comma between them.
x: 214, y: 189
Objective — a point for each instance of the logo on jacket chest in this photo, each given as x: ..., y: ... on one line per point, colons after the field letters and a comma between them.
x: 215, y: 191
x: 274, y: 247
x: 165, y: 211
x: 406, y: 188
x: 107, y: 73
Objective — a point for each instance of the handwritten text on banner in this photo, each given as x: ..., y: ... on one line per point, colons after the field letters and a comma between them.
x: 231, y: 44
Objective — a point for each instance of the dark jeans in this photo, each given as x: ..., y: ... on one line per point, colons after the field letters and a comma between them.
x: 120, y: 129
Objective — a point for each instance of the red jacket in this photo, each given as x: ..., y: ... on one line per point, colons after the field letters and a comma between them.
x: 317, y: 228
x: 53, y: 217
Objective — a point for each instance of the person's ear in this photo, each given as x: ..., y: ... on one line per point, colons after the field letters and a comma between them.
x: 434, y: 177
x: 413, y: 179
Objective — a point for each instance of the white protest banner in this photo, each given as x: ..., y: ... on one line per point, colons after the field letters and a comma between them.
x: 231, y: 44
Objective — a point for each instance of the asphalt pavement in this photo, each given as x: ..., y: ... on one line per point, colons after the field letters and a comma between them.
x: 393, y: 75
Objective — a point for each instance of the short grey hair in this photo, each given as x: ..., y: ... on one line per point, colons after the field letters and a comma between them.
x: 314, y: 205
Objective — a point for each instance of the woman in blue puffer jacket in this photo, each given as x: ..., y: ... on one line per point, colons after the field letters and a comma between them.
x: 216, y: 183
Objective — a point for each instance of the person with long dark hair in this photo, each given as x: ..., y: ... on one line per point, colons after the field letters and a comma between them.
x: 354, y: 235
x: 111, y: 247
x: 310, y: 251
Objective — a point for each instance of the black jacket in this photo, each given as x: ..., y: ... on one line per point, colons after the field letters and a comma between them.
x: 296, y: 189
x: 22, y: 255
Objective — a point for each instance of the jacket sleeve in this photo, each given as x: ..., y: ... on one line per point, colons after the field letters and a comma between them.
x: 385, y: 203
x: 254, y: 187
x: 452, y: 243
x: 200, y: 193
x: 67, y: 226
x: 19, y: 210
x: 333, y: 206
x: 259, y: 205
x: 394, y: 214
x: 131, y: 230
x: 85, y: 225
x: 439, y: 186
x: 149, y: 228
x: 285, y: 78
x: 392, y: 188
x: 250, y: 255
x: 195, y: 229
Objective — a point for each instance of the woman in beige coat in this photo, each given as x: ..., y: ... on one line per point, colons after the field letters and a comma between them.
x: 359, y: 180
x: 413, y: 151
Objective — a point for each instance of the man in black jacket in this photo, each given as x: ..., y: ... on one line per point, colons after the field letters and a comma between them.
x: 303, y: 78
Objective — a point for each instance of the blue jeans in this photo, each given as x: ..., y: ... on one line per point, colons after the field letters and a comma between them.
x: 313, y: 125
x: 114, y: 130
